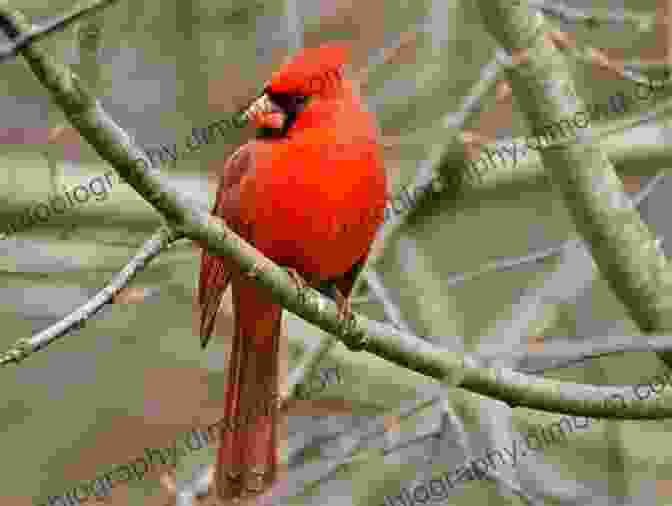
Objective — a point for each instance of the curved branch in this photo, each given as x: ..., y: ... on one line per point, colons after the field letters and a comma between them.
x: 621, y: 244
x: 576, y: 264
x: 10, y: 50
x: 594, y: 16
x: 76, y: 320
x: 559, y: 353
x: 379, y: 291
x: 504, y: 384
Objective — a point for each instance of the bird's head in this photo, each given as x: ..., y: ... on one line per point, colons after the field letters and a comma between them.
x: 311, y: 74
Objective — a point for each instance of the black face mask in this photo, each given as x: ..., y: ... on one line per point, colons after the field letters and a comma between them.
x: 291, y: 105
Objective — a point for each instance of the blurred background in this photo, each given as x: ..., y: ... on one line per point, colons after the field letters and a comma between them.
x: 135, y: 376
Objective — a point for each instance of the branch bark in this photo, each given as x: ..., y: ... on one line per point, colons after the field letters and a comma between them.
x: 621, y: 244
x: 59, y: 23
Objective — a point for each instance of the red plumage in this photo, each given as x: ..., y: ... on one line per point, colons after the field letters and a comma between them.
x: 311, y: 200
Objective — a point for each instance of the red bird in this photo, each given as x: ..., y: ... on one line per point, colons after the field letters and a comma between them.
x: 309, y: 193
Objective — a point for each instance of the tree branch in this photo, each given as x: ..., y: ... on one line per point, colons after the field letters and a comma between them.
x: 559, y: 353
x: 23, y: 348
x: 393, y: 313
x: 621, y: 244
x: 461, y: 181
x: 594, y: 16
x: 10, y: 50
x: 573, y: 273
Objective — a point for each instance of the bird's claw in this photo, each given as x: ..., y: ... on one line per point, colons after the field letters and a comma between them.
x: 345, y: 314
x: 299, y: 281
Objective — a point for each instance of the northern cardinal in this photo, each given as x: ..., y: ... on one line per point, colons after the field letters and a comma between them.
x: 309, y: 192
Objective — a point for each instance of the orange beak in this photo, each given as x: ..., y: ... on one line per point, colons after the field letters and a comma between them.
x: 263, y: 113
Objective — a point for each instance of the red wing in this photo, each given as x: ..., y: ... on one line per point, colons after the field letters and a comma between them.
x: 216, y: 271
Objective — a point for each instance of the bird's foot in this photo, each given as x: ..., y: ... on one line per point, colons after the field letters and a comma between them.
x: 301, y: 283
x: 344, y: 308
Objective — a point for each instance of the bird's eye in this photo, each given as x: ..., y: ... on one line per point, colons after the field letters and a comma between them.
x: 281, y: 99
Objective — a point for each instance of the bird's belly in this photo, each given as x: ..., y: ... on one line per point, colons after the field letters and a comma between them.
x: 319, y: 233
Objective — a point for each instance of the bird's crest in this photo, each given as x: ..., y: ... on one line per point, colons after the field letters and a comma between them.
x: 312, y: 71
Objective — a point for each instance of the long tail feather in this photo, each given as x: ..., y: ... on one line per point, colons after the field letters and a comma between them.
x: 215, y: 277
x: 248, y: 456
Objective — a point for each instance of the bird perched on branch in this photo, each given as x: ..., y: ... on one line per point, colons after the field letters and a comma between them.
x: 309, y: 193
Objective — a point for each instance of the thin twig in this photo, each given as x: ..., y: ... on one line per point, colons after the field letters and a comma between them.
x: 536, y: 255
x: 594, y: 16
x: 11, y: 50
x: 593, y: 56
x: 505, y: 264
x: 380, y: 292
x: 573, y: 267
x: 558, y: 353
x: 345, y: 447
x: 76, y: 320
x: 470, y: 106
x: 385, y: 55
